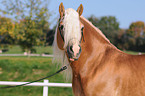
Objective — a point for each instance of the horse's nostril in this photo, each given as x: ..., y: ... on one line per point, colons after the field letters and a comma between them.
x: 71, y: 48
x: 80, y: 49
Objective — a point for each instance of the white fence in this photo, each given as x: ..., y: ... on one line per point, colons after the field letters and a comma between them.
x: 44, y: 55
x: 45, y: 85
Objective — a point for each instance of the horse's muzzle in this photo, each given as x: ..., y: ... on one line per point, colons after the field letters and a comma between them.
x: 73, y: 52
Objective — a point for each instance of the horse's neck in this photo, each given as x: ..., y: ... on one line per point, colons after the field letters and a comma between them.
x: 94, y: 38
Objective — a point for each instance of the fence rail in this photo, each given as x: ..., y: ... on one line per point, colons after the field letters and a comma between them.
x: 44, y: 55
x: 45, y: 85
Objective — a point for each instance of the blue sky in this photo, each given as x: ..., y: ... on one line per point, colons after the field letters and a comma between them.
x: 126, y: 11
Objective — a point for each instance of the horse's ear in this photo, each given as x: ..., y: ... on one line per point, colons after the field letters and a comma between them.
x: 61, y: 10
x: 80, y: 10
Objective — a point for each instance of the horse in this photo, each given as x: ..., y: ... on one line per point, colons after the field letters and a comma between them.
x: 98, y: 67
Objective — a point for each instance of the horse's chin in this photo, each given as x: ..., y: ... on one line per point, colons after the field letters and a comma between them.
x: 73, y: 59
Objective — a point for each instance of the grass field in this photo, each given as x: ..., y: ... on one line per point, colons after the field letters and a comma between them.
x: 39, y: 50
x: 28, y: 69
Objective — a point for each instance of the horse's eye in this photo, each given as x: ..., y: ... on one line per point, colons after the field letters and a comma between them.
x: 61, y: 27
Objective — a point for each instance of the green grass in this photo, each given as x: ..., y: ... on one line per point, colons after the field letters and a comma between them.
x: 42, y: 49
x: 28, y: 69
x: 39, y: 50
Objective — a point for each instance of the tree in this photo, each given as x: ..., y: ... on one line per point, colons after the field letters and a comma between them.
x: 136, y: 33
x: 122, y: 40
x: 32, y: 21
x: 50, y: 36
x: 136, y: 29
x: 6, y: 31
x: 28, y: 34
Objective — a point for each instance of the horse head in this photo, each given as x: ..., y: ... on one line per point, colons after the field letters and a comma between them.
x: 69, y: 31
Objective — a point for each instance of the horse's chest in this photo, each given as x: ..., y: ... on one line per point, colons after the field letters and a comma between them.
x: 102, y: 87
x: 82, y: 88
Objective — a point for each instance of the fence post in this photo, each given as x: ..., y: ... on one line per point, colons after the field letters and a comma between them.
x: 45, y: 88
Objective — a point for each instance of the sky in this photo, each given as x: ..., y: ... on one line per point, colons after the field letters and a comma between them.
x: 126, y: 11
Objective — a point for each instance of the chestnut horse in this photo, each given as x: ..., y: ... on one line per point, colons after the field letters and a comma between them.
x: 98, y: 67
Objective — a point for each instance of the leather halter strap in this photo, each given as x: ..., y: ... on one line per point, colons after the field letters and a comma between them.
x: 60, y: 31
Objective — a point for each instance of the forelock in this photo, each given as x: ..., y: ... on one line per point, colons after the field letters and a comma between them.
x: 71, y: 25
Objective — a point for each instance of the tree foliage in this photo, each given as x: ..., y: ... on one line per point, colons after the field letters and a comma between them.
x: 136, y: 29
x: 6, y: 31
x: 31, y: 18
x: 28, y: 34
x: 136, y: 35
